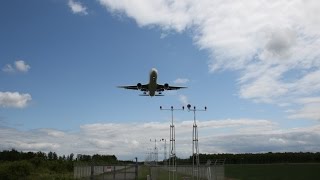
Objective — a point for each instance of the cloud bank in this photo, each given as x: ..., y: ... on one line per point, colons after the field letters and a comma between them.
x: 273, y: 44
x: 129, y: 140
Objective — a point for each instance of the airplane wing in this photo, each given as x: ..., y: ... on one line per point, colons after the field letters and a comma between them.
x: 167, y: 87
x: 140, y: 87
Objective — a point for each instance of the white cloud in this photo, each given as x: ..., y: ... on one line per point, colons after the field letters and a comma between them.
x: 167, y: 14
x: 128, y: 140
x: 237, y: 123
x: 308, y: 100
x: 22, y: 66
x: 8, y: 68
x: 181, y: 81
x: 41, y: 146
x: 183, y: 99
x: 309, y: 109
x: 274, y: 44
x: 14, y: 99
x: 263, y: 89
x: 52, y: 132
x: 77, y: 7
x: 19, y: 66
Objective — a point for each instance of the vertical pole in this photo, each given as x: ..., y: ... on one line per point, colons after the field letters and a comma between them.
x: 193, y: 170
x: 172, y: 156
x: 136, y: 169
x: 195, y: 148
x: 172, y: 163
x: 195, y: 145
x: 92, y: 171
x: 170, y: 153
x: 165, y: 152
x: 156, y: 152
x: 173, y: 149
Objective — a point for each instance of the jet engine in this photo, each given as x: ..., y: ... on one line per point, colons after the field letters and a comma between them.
x: 139, y: 85
x: 166, y: 86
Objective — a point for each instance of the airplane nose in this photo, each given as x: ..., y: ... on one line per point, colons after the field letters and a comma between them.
x: 154, y: 70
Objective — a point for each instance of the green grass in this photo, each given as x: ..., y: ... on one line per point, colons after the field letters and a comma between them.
x: 143, y: 172
x: 161, y: 174
x: 55, y: 176
x: 26, y: 170
x: 273, y: 172
x: 254, y: 172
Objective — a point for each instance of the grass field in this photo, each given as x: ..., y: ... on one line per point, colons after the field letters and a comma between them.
x: 256, y: 172
x: 161, y: 173
x: 273, y: 172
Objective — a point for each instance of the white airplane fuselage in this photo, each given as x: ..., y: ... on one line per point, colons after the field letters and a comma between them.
x: 153, y: 82
x: 152, y: 88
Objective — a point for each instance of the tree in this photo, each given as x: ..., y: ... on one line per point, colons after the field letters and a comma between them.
x: 50, y: 155
x: 55, y: 156
x: 71, y: 157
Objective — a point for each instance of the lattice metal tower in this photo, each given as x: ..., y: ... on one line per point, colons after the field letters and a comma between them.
x: 195, y: 145
x: 172, y: 166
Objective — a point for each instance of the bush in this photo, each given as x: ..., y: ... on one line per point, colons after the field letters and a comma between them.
x: 15, y: 170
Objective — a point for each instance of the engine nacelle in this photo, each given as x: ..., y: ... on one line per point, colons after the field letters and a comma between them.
x: 139, y: 85
x: 166, y: 86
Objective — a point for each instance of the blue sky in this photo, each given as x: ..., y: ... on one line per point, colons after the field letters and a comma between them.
x: 254, y: 64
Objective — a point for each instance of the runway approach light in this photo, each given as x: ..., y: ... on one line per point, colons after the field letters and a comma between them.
x: 194, y: 108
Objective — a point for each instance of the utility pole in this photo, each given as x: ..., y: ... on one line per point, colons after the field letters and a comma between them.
x: 195, y: 140
x: 172, y: 155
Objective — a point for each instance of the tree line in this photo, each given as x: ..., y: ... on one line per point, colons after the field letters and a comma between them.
x: 39, y: 165
x: 14, y: 155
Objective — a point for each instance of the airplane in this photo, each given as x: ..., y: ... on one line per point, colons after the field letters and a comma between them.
x: 152, y: 88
